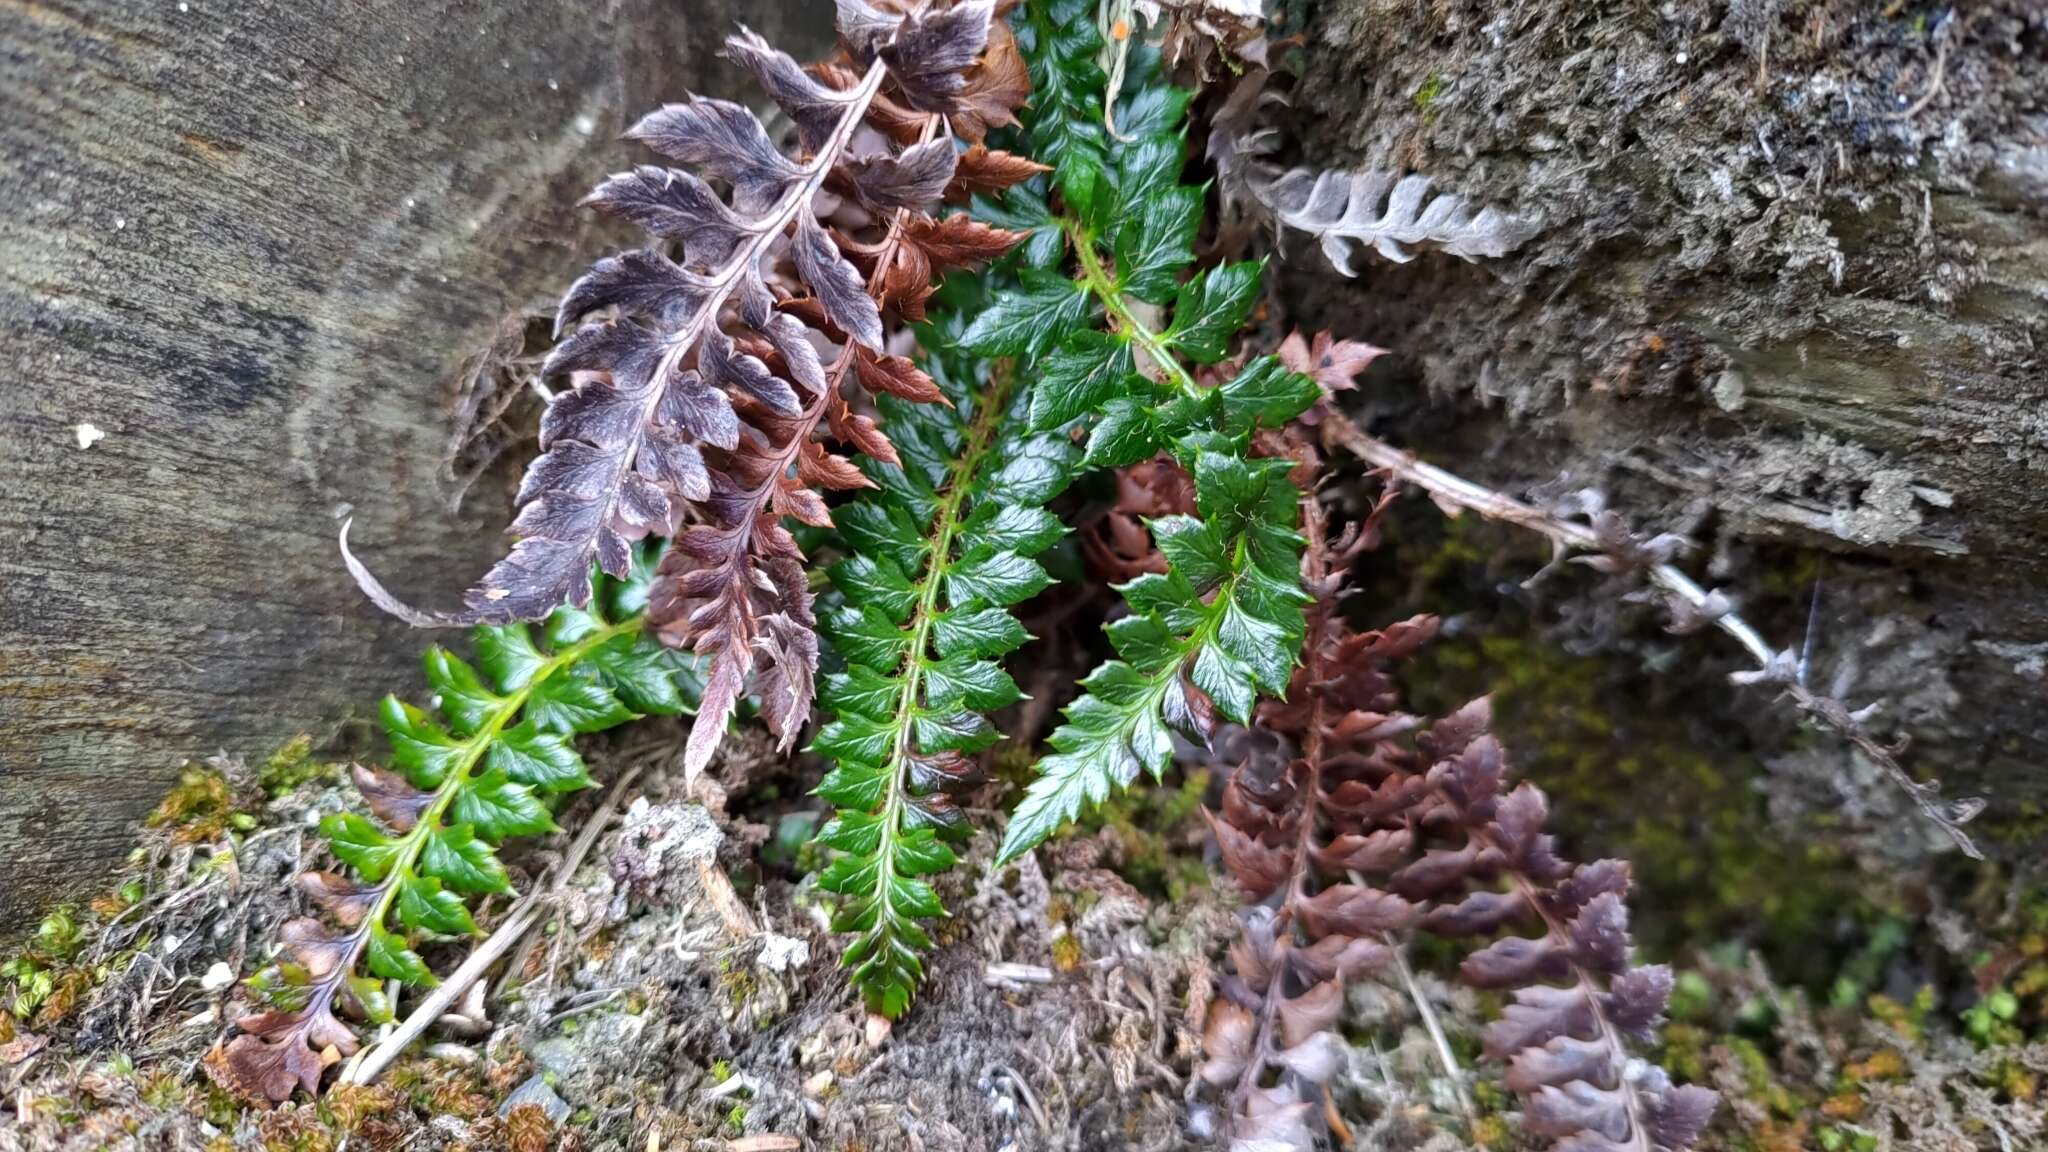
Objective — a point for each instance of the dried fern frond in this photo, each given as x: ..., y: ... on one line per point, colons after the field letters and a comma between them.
x: 1388, y: 212
x: 1578, y: 999
x: 1385, y: 211
x: 1366, y: 835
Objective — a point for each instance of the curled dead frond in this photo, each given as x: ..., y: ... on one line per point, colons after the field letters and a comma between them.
x: 1388, y: 212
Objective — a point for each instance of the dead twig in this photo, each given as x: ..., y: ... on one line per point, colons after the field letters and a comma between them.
x: 1454, y: 493
x: 1430, y: 1023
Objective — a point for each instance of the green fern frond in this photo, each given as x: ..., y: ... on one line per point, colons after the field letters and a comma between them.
x: 502, y: 747
x: 943, y: 546
x: 1115, y: 242
x: 484, y: 763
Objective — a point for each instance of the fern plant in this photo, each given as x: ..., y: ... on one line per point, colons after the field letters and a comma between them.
x: 942, y: 549
x: 1110, y: 249
x: 702, y: 402
x: 1366, y: 835
x: 484, y: 765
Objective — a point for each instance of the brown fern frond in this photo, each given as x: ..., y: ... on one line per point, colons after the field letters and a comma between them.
x: 725, y: 347
x: 1295, y: 842
x: 1375, y: 828
x: 1578, y: 999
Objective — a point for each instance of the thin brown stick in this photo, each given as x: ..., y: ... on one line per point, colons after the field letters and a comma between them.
x: 1774, y: 666
x: 1445, y: 1058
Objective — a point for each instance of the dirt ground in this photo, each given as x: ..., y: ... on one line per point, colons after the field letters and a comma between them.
x: 672, y: 1005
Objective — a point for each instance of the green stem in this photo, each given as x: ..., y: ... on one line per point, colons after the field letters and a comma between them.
x: 946, y: 522
x: 1103, y: 285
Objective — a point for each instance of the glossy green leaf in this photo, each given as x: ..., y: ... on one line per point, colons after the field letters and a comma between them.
x: 497, y: 808
x: 419, y: 747
x: 357, y: 843
x: 1158, y: 242
x: 1267, y: 392
x: 997, y: 525
x: 425, y: 906
x: 1211, y: 308
x: 875, y: 582
x: 1002, y: 579
x: 1082, y: 374
x: 507, y: 655
x: 542, y: 761
x: 964, y: 681
x: 572, y: 700
x: 648, y: 678
x: 461, y: 861
x: 1027, y: 320
x: 984, y: 632
x: 1123, y: 435
x: 867, y: 636
x: 388, y: 957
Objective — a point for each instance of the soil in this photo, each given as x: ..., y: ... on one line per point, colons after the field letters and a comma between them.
x: 668, y: 1005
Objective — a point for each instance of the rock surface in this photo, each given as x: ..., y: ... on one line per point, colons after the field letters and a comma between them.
x: 245, y: 250
x: 1789, y: 295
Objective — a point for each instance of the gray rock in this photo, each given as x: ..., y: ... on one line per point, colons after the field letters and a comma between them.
x: 537, y: 1090
x: 559, y: 1056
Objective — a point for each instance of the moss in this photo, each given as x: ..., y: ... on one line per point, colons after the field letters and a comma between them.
x: 1908, y: 1019
x: 1493, y: 1132
x: 198, y: 808
x: 293, y: 765
x: 1426, y: 94
x: 1627, y: 778
x: 39, y: 981
x: 295, y: 1129
x: 351, y: 1105
x: 1150, y: 829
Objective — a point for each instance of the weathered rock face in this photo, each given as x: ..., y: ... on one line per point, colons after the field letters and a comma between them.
x: 1791, y: 288
x: 244, y: 249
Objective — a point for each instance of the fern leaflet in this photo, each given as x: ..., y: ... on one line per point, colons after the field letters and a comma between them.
x: 483, y: 771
